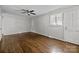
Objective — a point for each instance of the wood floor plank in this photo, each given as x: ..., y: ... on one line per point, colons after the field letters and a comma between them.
x: 35, y: 43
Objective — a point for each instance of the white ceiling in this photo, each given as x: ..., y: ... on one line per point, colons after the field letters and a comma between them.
x: 39, y: 9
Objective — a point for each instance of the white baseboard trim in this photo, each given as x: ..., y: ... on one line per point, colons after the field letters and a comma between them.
x: 15, y: 33
x: 49, y: 36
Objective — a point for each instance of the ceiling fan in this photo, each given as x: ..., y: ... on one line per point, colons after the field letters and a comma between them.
x: 28, y: 12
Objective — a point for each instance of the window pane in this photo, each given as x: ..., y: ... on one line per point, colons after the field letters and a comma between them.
x: 59, y: 19
x: 52, y: 20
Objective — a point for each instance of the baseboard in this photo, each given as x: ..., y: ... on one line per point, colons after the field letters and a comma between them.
x: 48, y: 35
x: 15, y: 33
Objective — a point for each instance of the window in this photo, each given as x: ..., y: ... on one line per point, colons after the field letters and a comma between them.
x: 56, y: 19
x: 52, y: 20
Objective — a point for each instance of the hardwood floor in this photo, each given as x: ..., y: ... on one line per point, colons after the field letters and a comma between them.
x: 35, y: 43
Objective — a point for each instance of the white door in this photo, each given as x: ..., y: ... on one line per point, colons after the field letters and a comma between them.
x: 71, y: 26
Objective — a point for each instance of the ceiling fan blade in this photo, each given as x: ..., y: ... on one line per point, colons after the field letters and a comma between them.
x: 28, y: 14
x: 27, y: 11
x: 23, y: 10
x: 33, y: 13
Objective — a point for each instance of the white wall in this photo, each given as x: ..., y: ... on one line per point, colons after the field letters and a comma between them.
x: 13, y: 24
x: 41, y: 25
